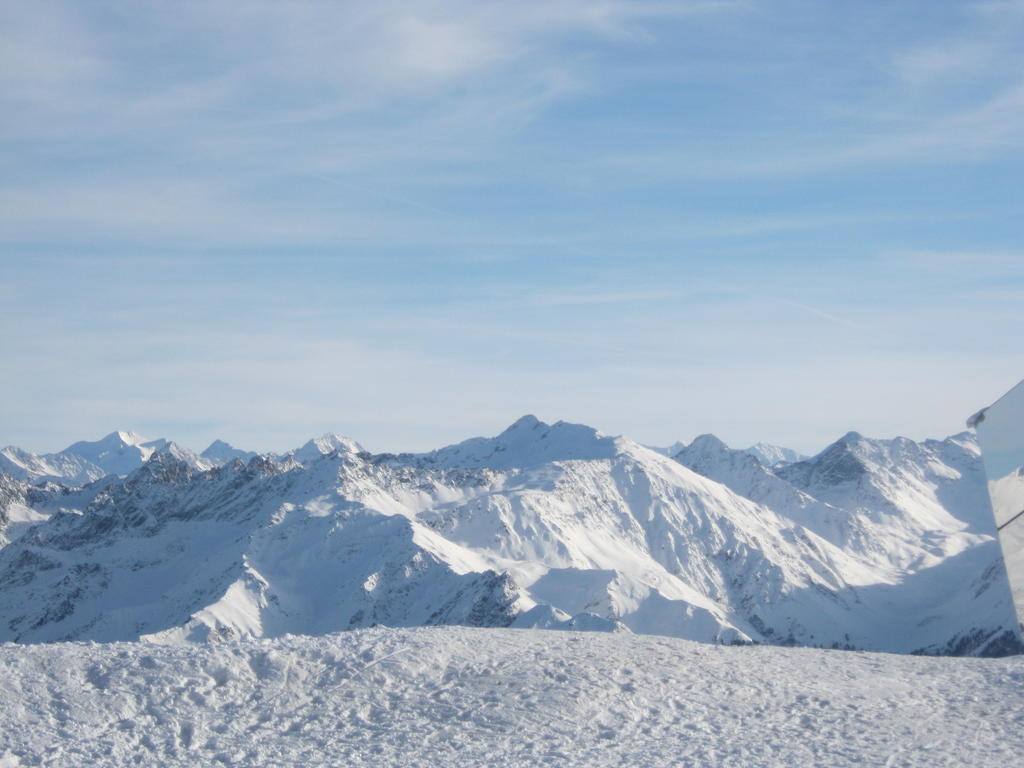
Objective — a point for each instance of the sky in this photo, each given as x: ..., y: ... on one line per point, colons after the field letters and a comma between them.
x: 412, y: 223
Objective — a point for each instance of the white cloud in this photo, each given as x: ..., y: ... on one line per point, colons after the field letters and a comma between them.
x: 173, y: 115
x: 584, y: 296
x: 328, y: 57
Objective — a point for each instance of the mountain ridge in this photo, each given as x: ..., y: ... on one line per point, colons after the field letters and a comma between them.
x: 542, y: 525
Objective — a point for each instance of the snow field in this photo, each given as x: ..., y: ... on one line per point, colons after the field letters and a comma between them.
x: 483, y: 697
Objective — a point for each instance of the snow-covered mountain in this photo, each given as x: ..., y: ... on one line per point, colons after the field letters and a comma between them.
x: 220, y: 452
x: 61, y: 467
x: 323, y: 445
x: 774, y: 455
x: 119, y: 453
x: 883, y: 545
x: 745, y: 474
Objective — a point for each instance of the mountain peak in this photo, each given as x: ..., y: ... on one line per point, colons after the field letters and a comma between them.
x: 527, y: 442
x: 166, y: 467
x: 527, y: 422
x: 708, y: 442
x: 128, y: 437
x: 116, y: 440
x: 841, y: 462
x: 222, y: 451
x: 329, y: 442
x: 710, y: 456
x: 774, y: 455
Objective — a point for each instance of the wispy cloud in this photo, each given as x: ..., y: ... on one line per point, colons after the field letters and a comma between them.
x: 366, y: 97
x: 581, y: 296
x: 1007, y: 264
x: 327, y: 58
x: 819, y: 313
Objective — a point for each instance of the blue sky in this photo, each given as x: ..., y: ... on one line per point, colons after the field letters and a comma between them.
x: 414, y: 222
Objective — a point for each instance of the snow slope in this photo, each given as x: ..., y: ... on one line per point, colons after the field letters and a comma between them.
x: 461, y: 696
x: 546, y: 525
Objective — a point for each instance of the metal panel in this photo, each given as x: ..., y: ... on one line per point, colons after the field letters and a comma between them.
x: 1000, y: 430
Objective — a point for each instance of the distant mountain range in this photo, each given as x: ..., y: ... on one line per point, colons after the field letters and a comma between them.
x: 121, y: 453
x: 872, y: 544
x: 772, y: 456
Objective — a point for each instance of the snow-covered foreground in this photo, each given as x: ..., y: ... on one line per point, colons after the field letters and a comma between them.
x: 461, y: 696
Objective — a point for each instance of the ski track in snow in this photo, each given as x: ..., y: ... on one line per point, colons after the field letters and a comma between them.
x: 478, y: 697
